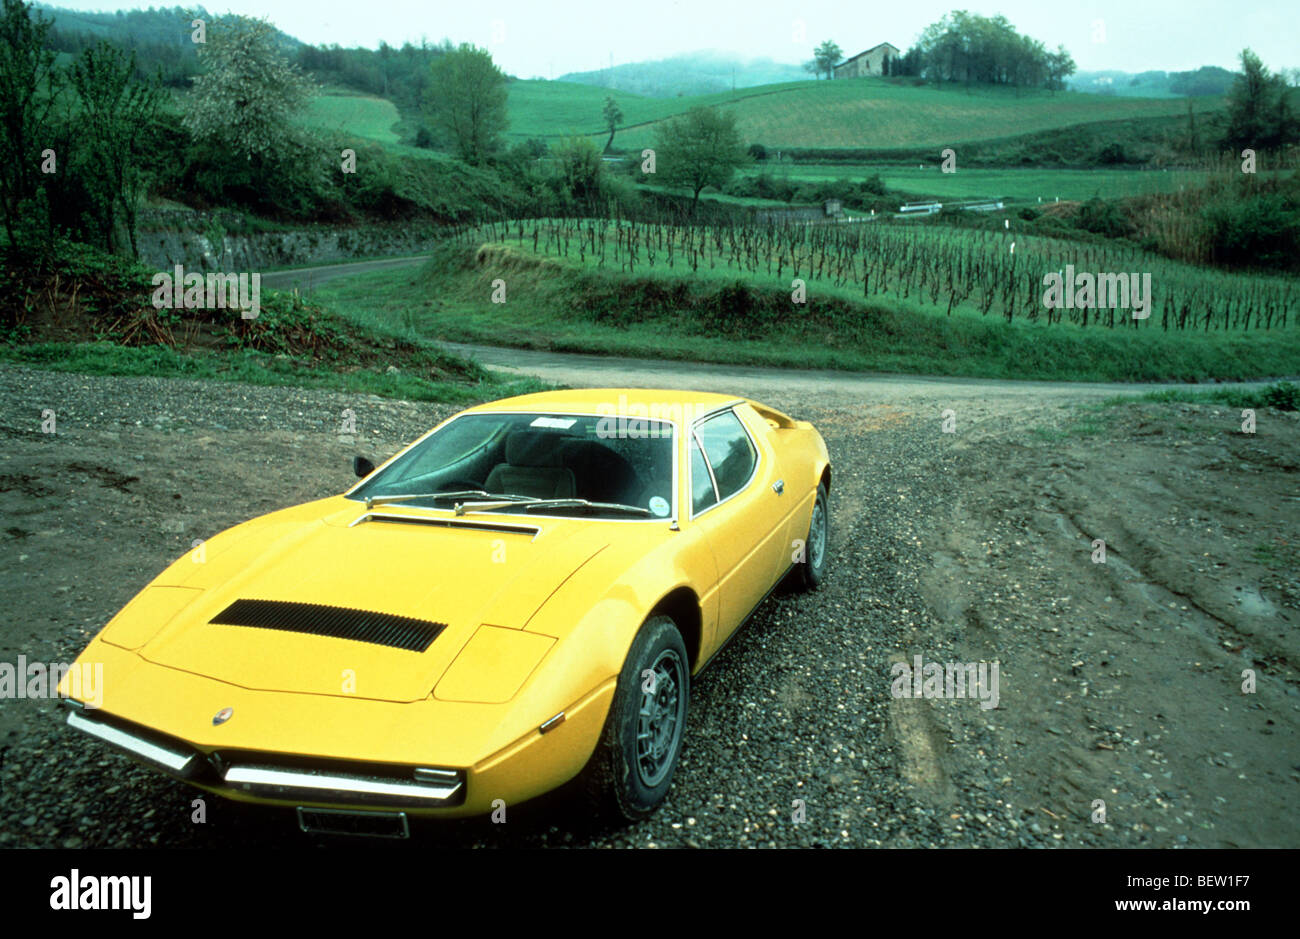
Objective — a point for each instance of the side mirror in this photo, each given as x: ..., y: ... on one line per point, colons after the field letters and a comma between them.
x: 362, y: 467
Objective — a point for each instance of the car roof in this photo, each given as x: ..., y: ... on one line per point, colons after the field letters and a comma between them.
x: 611, y: 401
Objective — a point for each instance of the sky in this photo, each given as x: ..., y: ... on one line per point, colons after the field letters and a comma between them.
x: 546, y: 38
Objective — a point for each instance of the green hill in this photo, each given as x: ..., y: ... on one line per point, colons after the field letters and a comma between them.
x: 354, y: 114
x: 696, y: 73
x: 856, y: 113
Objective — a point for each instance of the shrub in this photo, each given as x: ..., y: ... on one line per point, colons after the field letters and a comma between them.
x: 1103, y: 218
x: 873, y: 184
x: 1284, y: 396
x: 1111, y: 154
x: 1257, y: 231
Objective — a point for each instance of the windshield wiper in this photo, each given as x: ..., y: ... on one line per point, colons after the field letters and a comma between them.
x: 527, y: 503
x: 501, y: 500
x: 372, y: 501
x: 585, y: 504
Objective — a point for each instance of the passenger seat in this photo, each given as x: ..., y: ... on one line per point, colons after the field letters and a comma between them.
x: 534, y: 467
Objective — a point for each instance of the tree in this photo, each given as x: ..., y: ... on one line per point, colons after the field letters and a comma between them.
x: 825, y: 58
x: 1259, y: 114
x: 579, y: 171
x: 115, y: 110
x: 966, y: 47
x: 466, y: 99
x: 909, y: 64
x: 29, y: 85
x: 249, y: 95
x: 613, y: 117
x: 1060, y: 66
x: 1286, y: 129
x: 700, y: 148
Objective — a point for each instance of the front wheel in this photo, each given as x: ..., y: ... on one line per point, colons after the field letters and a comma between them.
x: 632, y: 767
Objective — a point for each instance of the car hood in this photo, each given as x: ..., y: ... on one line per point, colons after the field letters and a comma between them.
x: 397, y: 564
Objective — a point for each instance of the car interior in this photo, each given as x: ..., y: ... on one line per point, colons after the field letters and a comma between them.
x: 549, y: 465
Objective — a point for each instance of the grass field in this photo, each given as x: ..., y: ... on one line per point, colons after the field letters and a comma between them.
x: 860, y: 113
x: 1021, y: 185
x: 354, y: 115
x: 569, y: 305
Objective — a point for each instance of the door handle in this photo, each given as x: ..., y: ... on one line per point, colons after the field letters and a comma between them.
x: 779, y: 487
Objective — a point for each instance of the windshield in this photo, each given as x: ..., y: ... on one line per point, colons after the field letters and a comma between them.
x: 489, y: 458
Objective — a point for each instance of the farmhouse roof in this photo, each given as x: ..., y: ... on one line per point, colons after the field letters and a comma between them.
x: 867, y: 51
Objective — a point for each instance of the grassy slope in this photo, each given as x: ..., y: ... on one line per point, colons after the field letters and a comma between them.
x: 354, y: 115
x: 864, y: 112
x: 91, y: 313
x: 560, y: 306
x: 106, y: 358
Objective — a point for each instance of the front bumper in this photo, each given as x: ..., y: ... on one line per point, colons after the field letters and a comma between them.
x: 327, y: 752
x: 265, y: 777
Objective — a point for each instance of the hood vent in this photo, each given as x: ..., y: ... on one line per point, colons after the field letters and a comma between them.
x: 384, y: 629
x: 440, y: 522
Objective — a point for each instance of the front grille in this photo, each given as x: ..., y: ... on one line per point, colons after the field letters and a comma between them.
x: 337, y: 622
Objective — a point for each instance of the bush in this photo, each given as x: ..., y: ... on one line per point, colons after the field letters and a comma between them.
x: 766, y: 186
x: 1257, y: 231
x: 873, y: 185
x: 578, y: 171
x: 758, y: 152
x: 1103, y: 218
x: 1284, y: 396
x: 1112, y: 154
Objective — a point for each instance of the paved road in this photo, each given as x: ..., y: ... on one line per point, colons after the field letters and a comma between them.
x: 831, y: 387
x: 304, y: 278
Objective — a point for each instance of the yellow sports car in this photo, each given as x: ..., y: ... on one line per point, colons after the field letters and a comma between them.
x: 518, y: 599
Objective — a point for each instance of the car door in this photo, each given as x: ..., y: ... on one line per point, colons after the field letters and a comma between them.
x: 738, y: 509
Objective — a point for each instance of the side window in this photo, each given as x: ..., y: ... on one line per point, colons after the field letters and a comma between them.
x: 730, y: 452
x: 703, y: 494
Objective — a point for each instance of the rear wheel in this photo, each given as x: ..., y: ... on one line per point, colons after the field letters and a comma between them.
x: 632, y: 768
x: 809, y: 574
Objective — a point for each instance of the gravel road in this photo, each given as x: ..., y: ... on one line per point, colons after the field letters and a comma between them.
x: 1119, y: 681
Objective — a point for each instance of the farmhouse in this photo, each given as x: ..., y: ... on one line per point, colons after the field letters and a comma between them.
x: 870, y: 62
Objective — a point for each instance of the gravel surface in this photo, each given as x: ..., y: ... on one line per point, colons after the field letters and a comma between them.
x: 943, y: 545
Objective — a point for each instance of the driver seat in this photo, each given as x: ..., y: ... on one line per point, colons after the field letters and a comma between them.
x: 534, y: 467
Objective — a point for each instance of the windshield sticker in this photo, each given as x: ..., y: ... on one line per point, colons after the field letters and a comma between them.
x: 558, y: 423
x: 659, y: 506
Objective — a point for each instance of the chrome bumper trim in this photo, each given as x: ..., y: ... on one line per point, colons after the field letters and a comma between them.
x: 165, y: 757
x: 279, y: 783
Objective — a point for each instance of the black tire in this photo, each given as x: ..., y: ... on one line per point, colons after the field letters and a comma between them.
x: 811, y: 572
x: 618, y: 782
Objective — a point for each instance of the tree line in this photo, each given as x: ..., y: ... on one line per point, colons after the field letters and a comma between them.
x: 968, y: 48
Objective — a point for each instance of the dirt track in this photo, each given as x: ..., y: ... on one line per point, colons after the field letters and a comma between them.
x: 1118, y: 681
